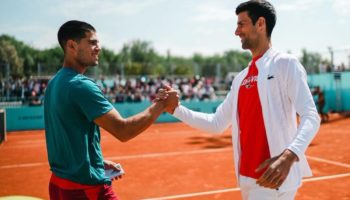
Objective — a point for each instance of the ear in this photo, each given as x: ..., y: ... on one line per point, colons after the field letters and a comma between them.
x: 71, y: 45
x: 261, y: 24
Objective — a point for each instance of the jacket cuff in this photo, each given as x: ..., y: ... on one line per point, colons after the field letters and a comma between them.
x: 296, y: 152
x: 177, y: 111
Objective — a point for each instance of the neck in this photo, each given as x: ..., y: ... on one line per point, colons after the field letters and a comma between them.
x: 261, y: 49
x: 70, y: 63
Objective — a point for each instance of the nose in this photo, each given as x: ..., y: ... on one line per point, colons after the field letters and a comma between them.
x: 98, y: 47
x: 237, y: 32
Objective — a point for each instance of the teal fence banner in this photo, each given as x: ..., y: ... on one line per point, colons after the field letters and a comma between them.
x: 32, y: 117
x: 336, y: 88
x: 24, y: 118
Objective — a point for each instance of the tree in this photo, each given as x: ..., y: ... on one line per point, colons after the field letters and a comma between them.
x: 27, y: 54
x: 311, y: 61
x: 49, y: 61
x: 8, y: 55
x: 135, y: 58
x: 108, y: 62
x: 210, y: 65
x: 182, y: 66
x: 141, y: 53
x: 235, y: 61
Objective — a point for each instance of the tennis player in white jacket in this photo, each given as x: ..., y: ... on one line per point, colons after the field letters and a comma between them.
x: 262, y: 106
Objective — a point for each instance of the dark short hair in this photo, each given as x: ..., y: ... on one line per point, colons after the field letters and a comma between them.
x: 259, y: 8
x: 73, y: 30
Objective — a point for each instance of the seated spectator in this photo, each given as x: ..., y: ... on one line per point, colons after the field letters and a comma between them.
x: 130, y: 89
x: 34, y: 99
x: 120, y: 96
x: 138, y: 96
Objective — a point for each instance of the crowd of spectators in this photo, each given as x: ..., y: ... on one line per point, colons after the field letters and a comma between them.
x: 117, y: 90
x: 26, y: 91
x: 140, y: 89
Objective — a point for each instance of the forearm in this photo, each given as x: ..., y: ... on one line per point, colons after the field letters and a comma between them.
x: 126, y: 129
x: 136, y: 124
x: 306, y: 131
x: 203, y: 121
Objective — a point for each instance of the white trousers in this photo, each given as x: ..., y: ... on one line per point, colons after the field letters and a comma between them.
x: 252, y: 191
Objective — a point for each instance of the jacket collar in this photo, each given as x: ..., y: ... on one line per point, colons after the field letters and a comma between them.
x: 267, y: 55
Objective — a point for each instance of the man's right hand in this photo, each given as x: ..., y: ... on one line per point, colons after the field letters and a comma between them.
x: 170, y: 98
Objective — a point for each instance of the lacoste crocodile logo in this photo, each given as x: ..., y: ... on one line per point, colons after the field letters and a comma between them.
x: 270, y: 77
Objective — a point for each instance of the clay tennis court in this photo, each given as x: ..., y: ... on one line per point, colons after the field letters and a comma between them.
x: 174, y: 161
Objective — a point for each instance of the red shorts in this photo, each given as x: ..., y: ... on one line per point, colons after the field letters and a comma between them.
x: 63, y: 189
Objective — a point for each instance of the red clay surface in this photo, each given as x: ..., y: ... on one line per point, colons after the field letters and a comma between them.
x: 174, y: 161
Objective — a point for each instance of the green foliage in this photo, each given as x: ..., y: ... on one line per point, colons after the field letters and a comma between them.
x: 26, y: 54
x: 180, y: 66
x: 49, y: 61
x: 311, y: 61
x: 230, y: 61
x: 108, y: 62
x: 9, y: 56
x: 135, y: 58
x: 133, y: 68
x: 182, y: 69
x: 235, y: 60
x: 159, y: 70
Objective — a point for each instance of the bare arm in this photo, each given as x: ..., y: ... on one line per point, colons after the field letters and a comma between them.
x: 128, y: 128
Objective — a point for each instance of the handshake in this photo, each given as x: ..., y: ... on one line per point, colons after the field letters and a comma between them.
x: 169, y: 98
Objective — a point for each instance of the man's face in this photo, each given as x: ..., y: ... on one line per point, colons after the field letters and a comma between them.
x: 88, y: 50
x: 246, y: 31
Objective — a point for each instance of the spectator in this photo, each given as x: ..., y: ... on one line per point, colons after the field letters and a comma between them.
x: 34, y: 99
x: 321, y: 102
x: 133, y: 89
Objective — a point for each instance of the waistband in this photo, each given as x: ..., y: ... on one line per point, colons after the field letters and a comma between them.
x: 70, y: 185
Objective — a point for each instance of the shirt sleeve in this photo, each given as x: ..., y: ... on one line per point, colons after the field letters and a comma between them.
x: 301, y: 97
x: 209, y: 122
x: 88, y: 97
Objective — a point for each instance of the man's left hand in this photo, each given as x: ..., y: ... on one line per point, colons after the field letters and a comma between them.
x: 112, y: 165
x: 277, y: 170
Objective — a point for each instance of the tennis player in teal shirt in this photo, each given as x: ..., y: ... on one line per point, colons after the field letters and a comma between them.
x: 74, y: 109
x: 73, y: 139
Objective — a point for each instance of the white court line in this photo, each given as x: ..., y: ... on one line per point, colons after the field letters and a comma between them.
x: 176, y: 153
x: 23, y: 165
x: 237, y: 189
x: 326, y: 177
x: 130, y: 157
x: 329, y: 161
x: 194, y: 194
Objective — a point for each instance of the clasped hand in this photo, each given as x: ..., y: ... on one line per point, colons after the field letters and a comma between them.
x: 170, y: 97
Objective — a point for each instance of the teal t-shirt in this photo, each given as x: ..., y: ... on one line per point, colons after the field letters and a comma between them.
x: 72, y: 101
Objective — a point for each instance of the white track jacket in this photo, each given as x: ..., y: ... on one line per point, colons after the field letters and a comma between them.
x: 283, y: 92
